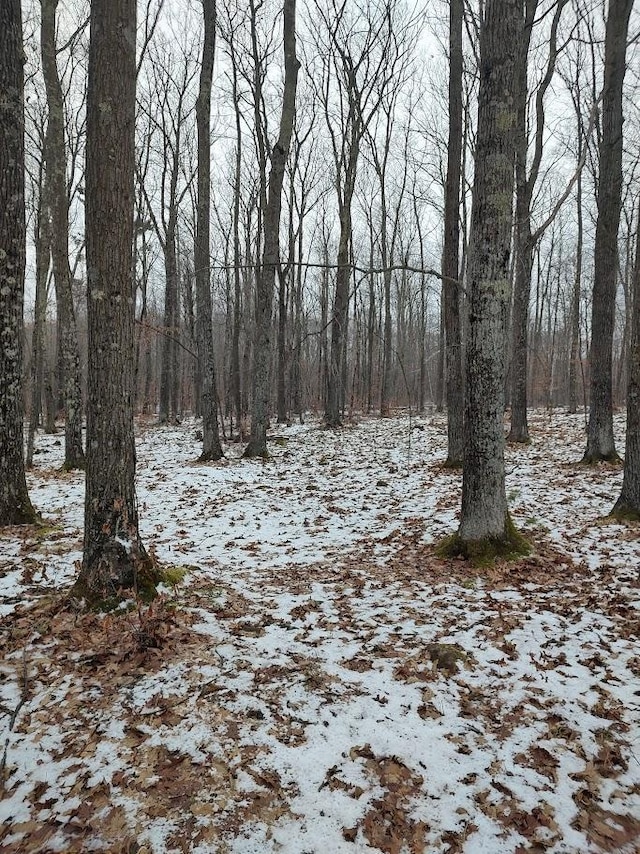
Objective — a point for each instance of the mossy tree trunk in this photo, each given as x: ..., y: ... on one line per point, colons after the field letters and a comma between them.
x: 15, y: 506
x: 600, y: 439
x: 484, y: 505
x: 114, y: 558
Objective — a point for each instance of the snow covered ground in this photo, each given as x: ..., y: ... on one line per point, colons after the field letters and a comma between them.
x: 319, y: 681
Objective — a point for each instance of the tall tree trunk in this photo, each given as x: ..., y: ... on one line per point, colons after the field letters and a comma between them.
x: 15, y: 506
x: 211, y: 447
x: 339, y: 319
x: 485, y: 524
x: 523, y: 242
x: 114, y: 557
x: 58, y: 199
x: 600, y: 439
x: 525, y: 239
x: 42, y: 248
x: 257, y: 446
x: 386, y: 257
x: 284, y: 293
x: 49, y: 402
x: 574, y: 355
x: 168, y: 357
x: 236, y: 372
x: 628, y: 504
x: 168, y: 345
x: 297, y: 405
x: 451, y: 248
x: 281, y: 372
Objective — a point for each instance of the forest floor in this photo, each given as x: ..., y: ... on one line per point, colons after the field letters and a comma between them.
x: 319, y: 681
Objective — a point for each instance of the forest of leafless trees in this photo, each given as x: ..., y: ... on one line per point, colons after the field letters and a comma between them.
x: 335, y: 206
x: 364, y: 195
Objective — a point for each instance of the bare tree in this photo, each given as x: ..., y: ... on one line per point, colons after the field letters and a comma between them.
x: 628, y: 504
x: 58, y: 204
x: 114, y: 557
x: 451, y: 249
x: 15, y: 506
x: 360, y: 51
x: 600, y: 439
x: 485, y: 526
x: 211, y: 447
x: 525, y: 237
x: 167, y: 106
x: 271, y: 249
x: 41, y: 239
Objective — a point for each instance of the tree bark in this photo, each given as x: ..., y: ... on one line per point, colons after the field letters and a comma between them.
x: 257, y: 446
x: 451, y: 248
x: 211, y: 446
x: 168, y: 359
x: 58, y: 201
x: 281, y: 372
x: 523, y: 241
x: 15, y: 506
x: 235, y: 366
x: 340, y: 312
x: 114, y: 558
x: 525, y: 238
x: 42, y: 251
x: 628, y: 504
x: 574, y: 355
x: 600, y: 439
x: 485, y: 517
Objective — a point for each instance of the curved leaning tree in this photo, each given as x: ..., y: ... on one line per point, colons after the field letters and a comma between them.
x: 15, y: 506
x: 114, y: 558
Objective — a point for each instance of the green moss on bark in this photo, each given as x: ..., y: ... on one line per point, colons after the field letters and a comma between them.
x: 591, y: 459
x: 452, y: 464
x: 482, y: 553
x: 623, y: 512
x: 116, y: 576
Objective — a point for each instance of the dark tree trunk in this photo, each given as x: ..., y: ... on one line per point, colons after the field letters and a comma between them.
x: 211, y: 447
x: 451, y: 248
x: 168, y: 359
x: 49, y: 403
x: 523, y: 240
x: 387, y: 338
x: 15, y: 506
x: 286, y: 286
x: 628, y: 504
x: 574, y: 355
x: 114, y: 557
x: 600, y: 440
x: 257, y: 446
x: 281, y: 384
x: 236, y: 371
x: 485, y: 519
x: 57, y: 198
x: 441, y: 366
x: 386, y: 257
x: 42, y: 248
x: 339, y: 320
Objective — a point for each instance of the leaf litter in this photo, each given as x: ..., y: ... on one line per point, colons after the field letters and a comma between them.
x: 319, y: 681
